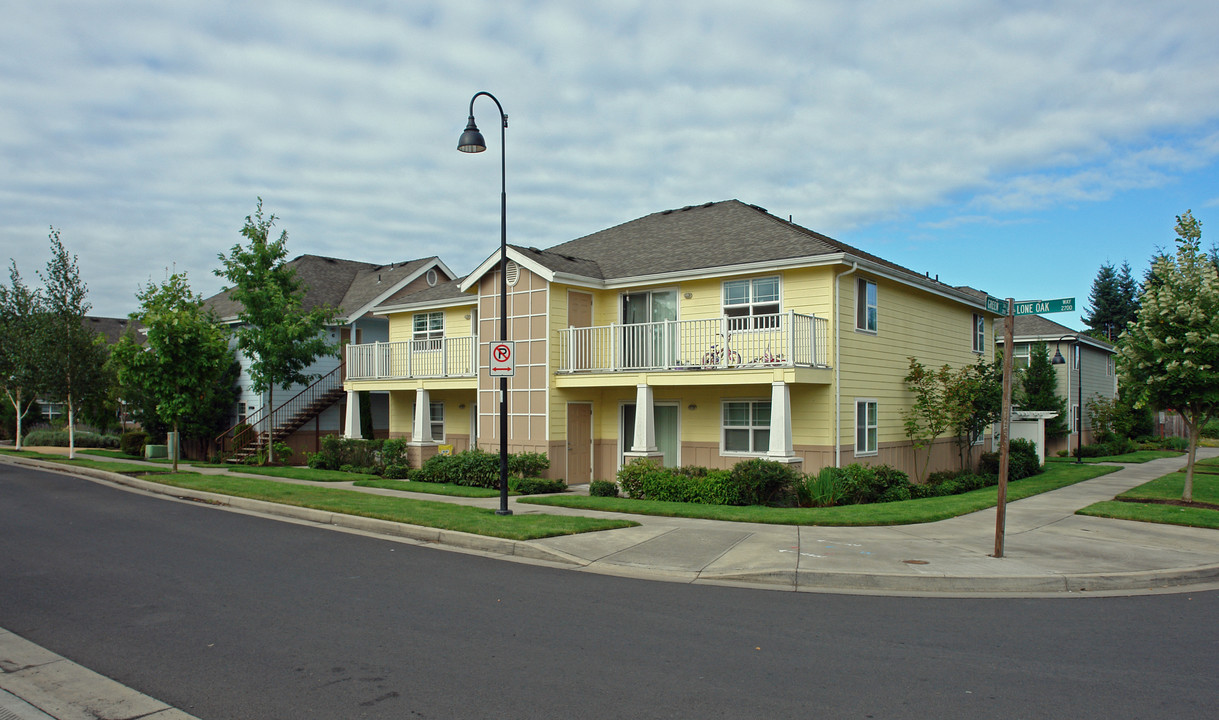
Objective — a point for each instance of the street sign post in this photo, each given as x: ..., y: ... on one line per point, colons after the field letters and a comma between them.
x: 1010, y: 309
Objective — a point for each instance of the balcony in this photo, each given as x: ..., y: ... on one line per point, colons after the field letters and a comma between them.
x: 785, y: 340
x: 454, y: 357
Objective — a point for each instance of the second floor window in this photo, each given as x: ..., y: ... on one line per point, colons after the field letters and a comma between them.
x: 979, y: 328
x: 428, y: 330
x: 866, y: 306
x: 752, y: 303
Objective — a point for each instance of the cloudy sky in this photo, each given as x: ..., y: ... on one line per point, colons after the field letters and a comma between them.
x: 1012, y: 146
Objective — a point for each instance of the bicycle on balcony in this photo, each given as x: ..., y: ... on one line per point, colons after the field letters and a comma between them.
x: 715, y: 356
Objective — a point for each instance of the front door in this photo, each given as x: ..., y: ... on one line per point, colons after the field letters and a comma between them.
x: 579, y: 443
x: 580, y: 315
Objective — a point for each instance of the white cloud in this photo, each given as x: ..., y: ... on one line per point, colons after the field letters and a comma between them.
x: 145, y: 131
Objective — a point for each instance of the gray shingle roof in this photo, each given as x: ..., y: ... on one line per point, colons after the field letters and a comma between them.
x: 716, y: 234
x: 346, y: 285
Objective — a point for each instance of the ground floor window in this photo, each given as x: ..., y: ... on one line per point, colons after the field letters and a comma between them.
x: 866, y: 427
x: 436, y: 411
x: 746, y: 426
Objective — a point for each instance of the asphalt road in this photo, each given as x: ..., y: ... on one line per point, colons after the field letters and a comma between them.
x: 227, y: 615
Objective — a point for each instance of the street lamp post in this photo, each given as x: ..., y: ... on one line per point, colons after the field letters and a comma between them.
x: 1079, y: 367
x: 472, y: 142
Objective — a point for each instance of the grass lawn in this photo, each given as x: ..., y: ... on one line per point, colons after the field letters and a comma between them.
x: 431, y: 488
x: 1138, y: 456
x: 905, y: 512
x: 1168, y: 487
x: 118, y: 467
x: 447, y: 516
x: 301, y: 473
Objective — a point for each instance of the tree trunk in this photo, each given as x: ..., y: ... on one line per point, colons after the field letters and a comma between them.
x: 17, y: 411
x: 71, y: 430
x: 1195, y: 430
x: 270, y: 424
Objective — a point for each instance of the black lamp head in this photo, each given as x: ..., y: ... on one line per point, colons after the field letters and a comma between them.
x: 471, y: 140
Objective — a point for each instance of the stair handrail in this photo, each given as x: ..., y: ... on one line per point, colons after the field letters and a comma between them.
x: 237, y: 438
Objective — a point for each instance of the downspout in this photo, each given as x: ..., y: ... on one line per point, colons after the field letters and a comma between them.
x: 838, y: 366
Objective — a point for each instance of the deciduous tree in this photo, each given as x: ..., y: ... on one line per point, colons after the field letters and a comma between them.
x: 185, y: 356
x: 1169, y: 358
x: 280, y: 338
x: 71, y: 356
x: 21, y: 315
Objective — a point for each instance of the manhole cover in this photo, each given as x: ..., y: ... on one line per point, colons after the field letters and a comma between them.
x: 916, y: 562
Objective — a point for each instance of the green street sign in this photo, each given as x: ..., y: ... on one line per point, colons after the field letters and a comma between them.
x: 1041, y: 307
x: 995, y: 305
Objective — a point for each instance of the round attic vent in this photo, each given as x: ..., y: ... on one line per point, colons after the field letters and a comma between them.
x: 513, y: 273
x: 431, y: 278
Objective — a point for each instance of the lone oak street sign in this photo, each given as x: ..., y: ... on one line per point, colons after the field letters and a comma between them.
x: 503, y: 359
x: 1040, y: 307
x: 1031, y: 307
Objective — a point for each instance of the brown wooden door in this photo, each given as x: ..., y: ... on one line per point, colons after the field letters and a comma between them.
x: 580, y: 315
x: 579, y: 443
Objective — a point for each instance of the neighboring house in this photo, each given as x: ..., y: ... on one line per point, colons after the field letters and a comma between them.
x: 704, y: 335
x: 110, y: 328
x: 352, y: 288
x: 1086, y: 357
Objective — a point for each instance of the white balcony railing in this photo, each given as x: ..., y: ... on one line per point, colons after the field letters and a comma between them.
x: 444, y: 358
x: 784, y: 340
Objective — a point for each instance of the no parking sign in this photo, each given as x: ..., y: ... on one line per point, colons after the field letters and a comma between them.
x: 503, y: 359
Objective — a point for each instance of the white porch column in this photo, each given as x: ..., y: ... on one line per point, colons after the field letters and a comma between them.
x: 354, y: 431
x: 421, y: 430
x: 643, y: 444
x: 781, y: 424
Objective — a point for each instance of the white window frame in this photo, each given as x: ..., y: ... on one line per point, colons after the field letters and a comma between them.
x: 430, y: 337
x: 874, y: 448
x: 436, y: 419
x: 751, y: 428
x: 979, y: 333
x: 1022, y: 353
x: 867, y: 312
x: 751, y: 305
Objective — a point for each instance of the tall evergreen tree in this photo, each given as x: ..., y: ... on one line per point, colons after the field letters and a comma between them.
x: 1113, y: 302
x: 1039, y: 390
x: 280, y: 338
x: 72, y: 356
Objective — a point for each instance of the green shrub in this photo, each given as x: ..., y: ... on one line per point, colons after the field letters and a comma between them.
x: 1211, y: 429
x: 603, y: 488
x: 1021, y: 460
x: 393, y: 452
x: 823, y: 489
x: 338, y: 451
x: 1179, y: 444
x: 868, y: 483
x: 397, y: 471
x: 527, y: 464
x: 473, y: 468
x: 536, y: 486
x: 760, y: 482
x: 132, y: 443
x: 59, y: 438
